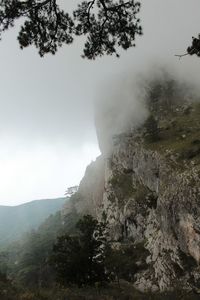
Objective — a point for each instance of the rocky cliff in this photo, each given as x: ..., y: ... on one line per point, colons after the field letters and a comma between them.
x: 148, y: 191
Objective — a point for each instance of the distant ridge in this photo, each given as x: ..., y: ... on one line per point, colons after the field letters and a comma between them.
x: 16, y: 220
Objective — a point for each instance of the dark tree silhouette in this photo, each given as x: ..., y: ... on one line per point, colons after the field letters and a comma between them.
x: 80, y: 259
x: 107, y: 24
x: 152, y: 129
x: 194, y: 49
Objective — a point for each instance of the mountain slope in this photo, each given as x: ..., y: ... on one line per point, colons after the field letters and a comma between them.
x: 16, y: 220
x: 151, y: 191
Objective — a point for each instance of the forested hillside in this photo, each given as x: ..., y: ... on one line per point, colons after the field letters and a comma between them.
x: 16, y: 220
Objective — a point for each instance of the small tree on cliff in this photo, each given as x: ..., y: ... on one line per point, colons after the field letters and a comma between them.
x: 193, y: 49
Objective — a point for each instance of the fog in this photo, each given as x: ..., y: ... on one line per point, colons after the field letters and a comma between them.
x: 123, y: 103
x: 47, y: 105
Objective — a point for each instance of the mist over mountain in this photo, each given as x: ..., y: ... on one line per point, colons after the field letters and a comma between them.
x: 122, y: 104
x: 132, y: 229
x: 151, y: 177
x: 16, y: 220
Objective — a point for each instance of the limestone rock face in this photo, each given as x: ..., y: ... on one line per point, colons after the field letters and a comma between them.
x: 90, y: 193
x: 148, y: 191
x: 147, y: 199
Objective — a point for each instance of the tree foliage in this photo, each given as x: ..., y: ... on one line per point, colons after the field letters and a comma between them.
x: 194, y: 49
x: 27, y: 260
x: 125, y: 261
x: 79, y: 259
x: 152, y: 129
x: 107, y: 24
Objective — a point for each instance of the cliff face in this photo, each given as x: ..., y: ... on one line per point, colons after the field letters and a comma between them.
x: 88, y: 199
x: 148, y: 190
x: 149, y: 200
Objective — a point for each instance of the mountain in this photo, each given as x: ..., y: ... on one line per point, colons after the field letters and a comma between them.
x: 147, y: 189
x: 16, y: 220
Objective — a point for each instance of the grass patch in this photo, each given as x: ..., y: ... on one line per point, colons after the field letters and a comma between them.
x: 114, y: 291
x: 179, y: 134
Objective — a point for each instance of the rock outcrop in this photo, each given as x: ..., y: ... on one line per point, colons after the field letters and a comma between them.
x: 89, y: 197
x: 147, y: 198
x: 148, y: 191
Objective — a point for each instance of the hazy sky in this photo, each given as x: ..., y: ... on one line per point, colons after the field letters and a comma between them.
x: 47, y: 134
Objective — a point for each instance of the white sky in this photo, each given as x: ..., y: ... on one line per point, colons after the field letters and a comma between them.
x: 47, y: 134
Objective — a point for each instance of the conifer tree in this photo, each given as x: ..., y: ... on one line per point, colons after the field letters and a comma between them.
x: 106, y: 24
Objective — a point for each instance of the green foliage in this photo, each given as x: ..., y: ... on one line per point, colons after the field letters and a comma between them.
x: 79, y: 259
x: 191, y: 152
x: 124, y: 262
x: 27, y: 260
x: 67, y: 260
x: 16, y: 220
x: 164, y: 93
x: 152, y: 129
x: 179, y: 134
x: 106, y: 24
x: 3, y: 262
x: 7, y: 290
x: 112, y: 291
